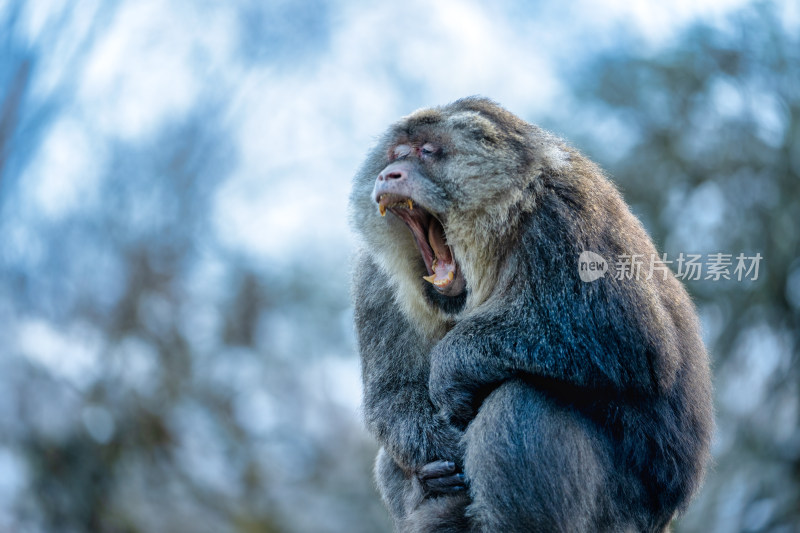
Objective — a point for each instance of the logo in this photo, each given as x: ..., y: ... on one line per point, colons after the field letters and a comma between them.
x: 591, y: 266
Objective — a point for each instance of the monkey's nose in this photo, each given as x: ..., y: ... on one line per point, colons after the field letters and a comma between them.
x: 394, y: 174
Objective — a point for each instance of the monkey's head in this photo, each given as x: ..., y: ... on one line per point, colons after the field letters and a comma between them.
x: 442, y: 193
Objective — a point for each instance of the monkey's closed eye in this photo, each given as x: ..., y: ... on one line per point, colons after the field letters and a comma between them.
x: 428, y: 149
x: 401, y: 150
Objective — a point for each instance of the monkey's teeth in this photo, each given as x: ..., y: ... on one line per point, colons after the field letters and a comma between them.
x: 390, y: 201
x: 443, y: 282
x: 446, y: 281
x: 439, y: 282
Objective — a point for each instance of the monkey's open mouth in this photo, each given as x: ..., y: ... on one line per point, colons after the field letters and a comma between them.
x: 443, y: 271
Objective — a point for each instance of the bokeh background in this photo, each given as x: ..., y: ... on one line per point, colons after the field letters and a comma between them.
x: 176, y: 346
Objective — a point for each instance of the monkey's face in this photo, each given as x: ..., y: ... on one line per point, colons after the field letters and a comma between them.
x: 405, y: 189
x: 441, y: 193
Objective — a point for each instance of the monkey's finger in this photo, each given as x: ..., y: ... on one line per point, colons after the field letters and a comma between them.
x: 436, y: 469
x: 448, y: 490
x: 447, y: 484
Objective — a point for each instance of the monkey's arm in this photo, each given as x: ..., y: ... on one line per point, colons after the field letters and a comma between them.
x: 558, y: 331
x: 395, y: 369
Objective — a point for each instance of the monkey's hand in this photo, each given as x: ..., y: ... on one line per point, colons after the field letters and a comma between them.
x: 441, y: 477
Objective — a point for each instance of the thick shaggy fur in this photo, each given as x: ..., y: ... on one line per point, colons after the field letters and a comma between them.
x: 570, y: 406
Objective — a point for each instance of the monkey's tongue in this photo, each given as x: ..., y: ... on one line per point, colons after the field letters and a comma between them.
x: 443, y: 265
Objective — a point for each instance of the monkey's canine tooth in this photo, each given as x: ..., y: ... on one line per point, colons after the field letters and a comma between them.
x: 393, y: 201
x: 440, y: 282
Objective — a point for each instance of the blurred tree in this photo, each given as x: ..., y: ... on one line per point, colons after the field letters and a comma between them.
x: 710, y: 160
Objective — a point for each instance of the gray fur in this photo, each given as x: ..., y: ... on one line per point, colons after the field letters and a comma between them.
x: 570, y: 406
